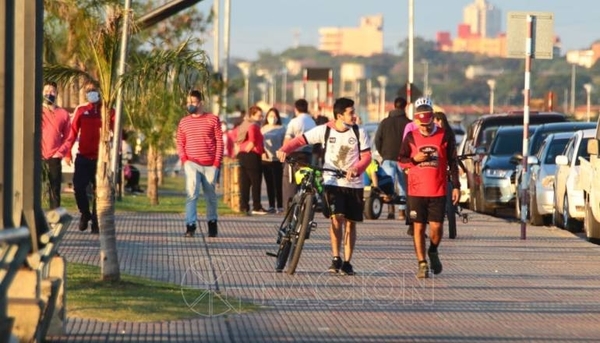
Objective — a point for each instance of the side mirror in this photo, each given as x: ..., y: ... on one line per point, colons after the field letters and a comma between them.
x: 516, y: 159
x: 480, y: 150
x: 561, y: 160
x: 532, y: 160
x: 592, y: 146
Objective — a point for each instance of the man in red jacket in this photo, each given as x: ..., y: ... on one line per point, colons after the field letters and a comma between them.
x: 87, y: 122
x: 428, y: 156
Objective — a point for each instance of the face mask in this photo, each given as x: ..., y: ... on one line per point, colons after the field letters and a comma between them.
x: 192, y: 109
x: 223, y: 128
x: 93, y: 96
x: 271, y: 120
x: 49, y: 99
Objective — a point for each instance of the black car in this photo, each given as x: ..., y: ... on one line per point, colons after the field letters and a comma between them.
x: 480, y: 135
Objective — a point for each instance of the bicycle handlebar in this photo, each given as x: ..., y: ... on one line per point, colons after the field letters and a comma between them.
x: 338, y: 173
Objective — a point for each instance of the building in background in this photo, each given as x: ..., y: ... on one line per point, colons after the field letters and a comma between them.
x: 364, y: 40
x: 483, y: 18
x: 585, y: 58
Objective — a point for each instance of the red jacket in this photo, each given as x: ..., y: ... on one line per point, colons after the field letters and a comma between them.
x: 87, y: 122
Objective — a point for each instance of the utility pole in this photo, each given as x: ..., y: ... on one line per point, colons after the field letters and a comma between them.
x: 573, y: 76
x: 411, y: 56
x: 226, y: 27
x: 216, y: 51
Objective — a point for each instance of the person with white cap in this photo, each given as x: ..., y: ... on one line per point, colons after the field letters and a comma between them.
x: 428, y: 156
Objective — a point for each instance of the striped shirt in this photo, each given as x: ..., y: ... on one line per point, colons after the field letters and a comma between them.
x: 200, y: 140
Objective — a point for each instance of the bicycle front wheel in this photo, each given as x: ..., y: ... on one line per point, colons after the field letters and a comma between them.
x: 285, y: 244
x: 302, y: 227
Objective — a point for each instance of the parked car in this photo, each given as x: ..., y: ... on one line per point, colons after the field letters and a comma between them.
x: 569, y: 204
x: 497, y: 186
x: 462, y: 177
x: 535, y: 141
x: 542, y: 167
x: 480, y: 134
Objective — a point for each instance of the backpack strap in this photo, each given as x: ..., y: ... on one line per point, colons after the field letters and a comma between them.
x: 327, y: 132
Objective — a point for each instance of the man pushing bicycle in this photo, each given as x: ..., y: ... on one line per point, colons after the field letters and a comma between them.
x: 346, y: 147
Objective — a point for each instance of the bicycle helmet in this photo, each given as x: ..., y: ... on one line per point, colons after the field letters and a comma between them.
x: 424, y: 101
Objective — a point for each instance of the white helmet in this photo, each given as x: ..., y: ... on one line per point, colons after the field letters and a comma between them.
x: 423, y: 101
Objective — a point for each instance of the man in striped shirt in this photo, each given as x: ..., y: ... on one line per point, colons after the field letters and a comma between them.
x: 200, y: 148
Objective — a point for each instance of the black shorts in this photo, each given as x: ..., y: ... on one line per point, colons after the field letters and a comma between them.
x: 345, y: 201
x: 427, y: 209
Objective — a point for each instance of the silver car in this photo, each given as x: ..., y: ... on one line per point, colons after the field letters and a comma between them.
x: 542, y: 167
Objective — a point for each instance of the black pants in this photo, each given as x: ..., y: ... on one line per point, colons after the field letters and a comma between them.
x: 289, y: 187
x: 251, y: 176
x: 83, y: 177
x: 54, y: 173
x: 133, y: 181
x: 273, y: 173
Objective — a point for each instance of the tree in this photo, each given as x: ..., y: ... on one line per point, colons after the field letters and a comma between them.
x: 155, y: 87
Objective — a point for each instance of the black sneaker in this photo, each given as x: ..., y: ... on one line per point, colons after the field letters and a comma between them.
x: 391, y: 215
x: 346, y: 269
x: 190, y: 229
x: 212, y: 228
x: 436, y: 264
x: 84, y: 221
x: 336, y: 264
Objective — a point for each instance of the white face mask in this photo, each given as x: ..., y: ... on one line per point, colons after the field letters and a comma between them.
x: 93, y: 96
x: 271, y: 120
x: 223, y: 128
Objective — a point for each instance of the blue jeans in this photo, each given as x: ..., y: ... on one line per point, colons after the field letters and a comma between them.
x: 196, y: 175
x: 391, y: 168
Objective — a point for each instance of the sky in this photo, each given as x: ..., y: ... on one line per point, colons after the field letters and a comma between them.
x: 258, y: 25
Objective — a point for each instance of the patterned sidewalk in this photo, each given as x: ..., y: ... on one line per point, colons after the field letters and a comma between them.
x: 494, y: 287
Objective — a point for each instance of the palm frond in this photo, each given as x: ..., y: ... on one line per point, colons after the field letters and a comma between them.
x: 66, y: 75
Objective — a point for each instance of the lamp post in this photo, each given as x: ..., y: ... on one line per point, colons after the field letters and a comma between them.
x: 573, y: 78
x: 284, y: 73
x: 492, y: 84
x: 588, y: 90
x: 245, y: 68
x: 382, y: 79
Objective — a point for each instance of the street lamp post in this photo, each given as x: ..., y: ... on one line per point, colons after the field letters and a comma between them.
x: 588, y: 90
x: 492, y: 84
x: 426, y: 77
x: 245, y: 68
x: 382, y: 79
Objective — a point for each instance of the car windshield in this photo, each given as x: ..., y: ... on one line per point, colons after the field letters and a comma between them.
x: 582, y: 151
x: 557, y: 146
x: 507, y: 143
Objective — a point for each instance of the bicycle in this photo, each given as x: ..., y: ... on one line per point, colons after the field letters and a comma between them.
x: 298, y: 220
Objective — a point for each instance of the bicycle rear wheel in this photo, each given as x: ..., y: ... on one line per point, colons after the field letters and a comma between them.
x: 285, y: 244
x: 302, y: 227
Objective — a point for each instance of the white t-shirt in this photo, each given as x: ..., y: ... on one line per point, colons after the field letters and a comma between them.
x: 298, y: 126
x: 342, y: 153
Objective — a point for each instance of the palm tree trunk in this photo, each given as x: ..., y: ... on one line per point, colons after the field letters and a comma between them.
x: 159, y: 168
x: 153, y: 174
x: 105, y: 206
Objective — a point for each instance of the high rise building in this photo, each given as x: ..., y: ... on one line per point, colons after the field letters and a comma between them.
x: 484, y: 19
x: 364, y: 40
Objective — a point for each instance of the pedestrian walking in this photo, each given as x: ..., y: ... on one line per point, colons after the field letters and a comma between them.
x: 388, y: 140
x: 347, y: 148
x: 200, y: 149
x: 273, y: 133
x: 86, y: 124
x: 428, y: 155
x: 56, y: 125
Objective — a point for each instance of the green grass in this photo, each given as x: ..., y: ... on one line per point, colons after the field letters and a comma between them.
x: 136, y: 299
x: 172, y: 202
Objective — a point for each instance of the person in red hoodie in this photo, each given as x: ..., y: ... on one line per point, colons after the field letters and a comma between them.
x: 428, y: 155
x: 86, y: 124
x: 345, y: 150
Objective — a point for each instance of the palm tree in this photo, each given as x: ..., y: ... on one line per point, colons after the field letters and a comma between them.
x: 155, y: 87
x: 98, y: 29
